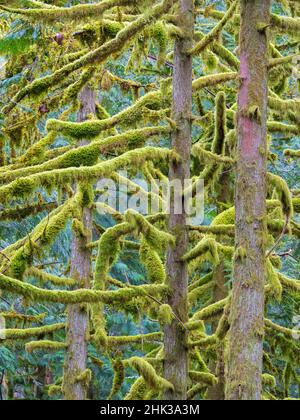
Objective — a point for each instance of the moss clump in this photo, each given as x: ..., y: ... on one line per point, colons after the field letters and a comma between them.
x: 292, y: 153
x: 116, y: 341
x: 154, y: 266
x: 137, y: 391
x: 156, y: 239
x: 45, y: 345
x: 19, y: 334
x: 291, y: 285
x: 213, y: 80
x: 206, y: 246
x: 54, y: 390
x: 85, y: 377
x: 119, y: 376
x: 274, y: 281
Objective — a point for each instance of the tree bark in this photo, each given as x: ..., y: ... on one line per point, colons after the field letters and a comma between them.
x: 175, y: 342
x: 78, y: 317
x: 245, y: 353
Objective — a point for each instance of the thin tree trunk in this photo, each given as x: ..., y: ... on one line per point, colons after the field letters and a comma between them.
x: 175, y: 343
x: 245, y: 353
x: 78, y: 317
x: 220, y: 292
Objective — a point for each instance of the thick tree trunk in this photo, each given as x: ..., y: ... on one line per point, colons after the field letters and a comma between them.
x: 78, y: 317
x: 245, y: 354
x: 176, y: 352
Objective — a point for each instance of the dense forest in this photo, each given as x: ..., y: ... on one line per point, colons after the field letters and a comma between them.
x: 122, y: 277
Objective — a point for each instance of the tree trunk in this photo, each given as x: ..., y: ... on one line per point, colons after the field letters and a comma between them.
x: 245, y: 355
x: 175, y: 342
x: 78, y: 317
x: 220, y: 292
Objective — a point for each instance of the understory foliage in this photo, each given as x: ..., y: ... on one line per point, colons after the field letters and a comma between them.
x: 50, y: 165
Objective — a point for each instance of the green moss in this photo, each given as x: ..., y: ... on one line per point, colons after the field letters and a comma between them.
x: 290, y: 334
x: 286, y: 24
x: 19, y: 334
x: 137, y: 391
x: 79, y: 296
x: 289, y: 284
x: 269, y: 381
x: 151, y: 378
x: 203, y: 378
x: 284, y: 194
x: 155, y: 238
x: 58, y: 177
x: 210, y: 312
x: 165, y: 315
x: 119, y: 376
x: 292, y: 153
x: 274, y: 281
x: 91, y: 129
x: 116, y: 341
x: 80, y: 11
x: 213, y: 80
x: 85, y: 377
x: 98, y: 55
x: 206, y: 246
x: 45, y: 346
x: 213, y: 35
x: 153, y: 264
x: 198, y: 292
x: 44, y: 277
x: 21, y: 317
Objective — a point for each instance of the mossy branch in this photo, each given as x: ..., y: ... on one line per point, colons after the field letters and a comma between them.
x: 213, y: 35
x: 116, y: 341
x: 289, y: 284
x: 34, y: 293
x: 292, y: 153
x: 210, y: 312
x: 22, y: 317
x: 45, y: 345
x: 151, y: 378
x: 99, y: 55
x: 290, y: 334
x: 203, y: 378
x: 44, y: 277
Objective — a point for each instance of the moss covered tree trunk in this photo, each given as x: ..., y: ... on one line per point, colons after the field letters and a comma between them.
x: 78, y: 317
x: 175, y: 342
x: 220, y: 292
x: 245, y: 355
